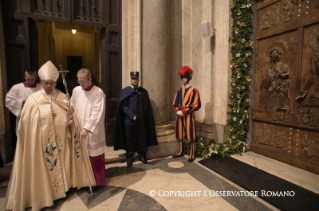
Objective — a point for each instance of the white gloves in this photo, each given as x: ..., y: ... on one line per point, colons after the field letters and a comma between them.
x: 179, y: 113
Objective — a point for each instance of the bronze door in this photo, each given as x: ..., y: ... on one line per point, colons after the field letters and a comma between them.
x: 286, y: 110
x: 20, y: 38
x: 111, y: 60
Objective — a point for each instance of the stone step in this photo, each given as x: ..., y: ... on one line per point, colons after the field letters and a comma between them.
x: 112, y: 156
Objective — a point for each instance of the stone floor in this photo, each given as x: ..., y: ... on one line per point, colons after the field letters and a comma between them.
x: 173, y: 184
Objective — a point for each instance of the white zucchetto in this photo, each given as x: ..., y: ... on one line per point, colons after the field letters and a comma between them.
x: 48, y: 72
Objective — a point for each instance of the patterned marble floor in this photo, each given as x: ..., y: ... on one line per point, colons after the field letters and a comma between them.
x: 165, y: 184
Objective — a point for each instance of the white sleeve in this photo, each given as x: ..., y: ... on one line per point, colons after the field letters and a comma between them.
x: 13, y: 103
x: 73, y: 98
x: 97, y: 110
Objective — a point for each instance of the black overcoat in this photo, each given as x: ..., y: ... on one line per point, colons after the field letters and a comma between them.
x: 144, y: 131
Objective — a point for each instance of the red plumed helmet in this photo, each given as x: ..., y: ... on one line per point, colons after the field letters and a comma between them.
x: 184, y: 70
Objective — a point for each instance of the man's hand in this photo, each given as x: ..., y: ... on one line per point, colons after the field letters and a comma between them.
x: 23, y: 102
x: 83, y: 133
x: 179, y: 113
x: 70, y: 110
x: 134, y: 118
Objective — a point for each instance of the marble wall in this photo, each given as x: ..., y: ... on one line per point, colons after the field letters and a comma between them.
x: 221, y: 70
x: 197, y: 52
x: 208, y: 56
x: 131, y: 39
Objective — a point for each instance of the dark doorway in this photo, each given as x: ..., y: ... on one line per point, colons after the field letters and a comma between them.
x: 21, y: 54
x: 74, y: 63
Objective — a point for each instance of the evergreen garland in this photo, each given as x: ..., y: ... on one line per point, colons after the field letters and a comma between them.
x: 241, y: 63
x: 226, y: 149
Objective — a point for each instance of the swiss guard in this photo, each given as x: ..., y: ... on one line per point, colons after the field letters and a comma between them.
x: 186, y: 102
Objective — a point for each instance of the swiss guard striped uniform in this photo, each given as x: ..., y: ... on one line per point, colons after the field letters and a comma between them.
x: 187, y: 101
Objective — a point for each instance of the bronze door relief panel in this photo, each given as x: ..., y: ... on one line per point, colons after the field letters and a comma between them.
x: 275, y: 79
x: 286, y: 110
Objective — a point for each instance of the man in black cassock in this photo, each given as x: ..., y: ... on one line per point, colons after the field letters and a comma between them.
x: 135, y: 129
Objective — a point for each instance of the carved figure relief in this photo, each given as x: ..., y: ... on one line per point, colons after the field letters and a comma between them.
x: 286, y: 11
x: 275, y: 79
x: 314, y: 69
x: 274, y: 138
x: 258, y: 135
x: 268, y: 20
x: 310, y: 148
x: 281, y: 115
x: 307, y: 118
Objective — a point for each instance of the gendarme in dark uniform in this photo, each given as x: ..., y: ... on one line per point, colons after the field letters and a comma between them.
x: 135, y: 129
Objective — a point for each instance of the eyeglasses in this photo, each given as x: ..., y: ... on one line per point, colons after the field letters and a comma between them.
x: 48, y: 83
x: 81, y: 82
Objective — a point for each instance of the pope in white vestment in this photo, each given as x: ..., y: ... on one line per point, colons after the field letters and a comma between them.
x: 17, y: 95
x: 89, y: 102
x: 50, y: 158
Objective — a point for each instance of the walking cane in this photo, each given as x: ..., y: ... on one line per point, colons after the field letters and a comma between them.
x: 63, y: 73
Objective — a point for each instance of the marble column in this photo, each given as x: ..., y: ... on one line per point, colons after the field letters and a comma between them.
x: 131, y: 39
x: 155, y: 57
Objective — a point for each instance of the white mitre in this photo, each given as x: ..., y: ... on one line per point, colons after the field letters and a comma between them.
x: 48, y: 72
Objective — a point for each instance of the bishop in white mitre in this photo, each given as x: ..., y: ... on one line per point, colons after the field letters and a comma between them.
x: 50, y: 157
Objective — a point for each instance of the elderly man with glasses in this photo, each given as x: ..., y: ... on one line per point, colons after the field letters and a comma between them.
x: 89, y: 102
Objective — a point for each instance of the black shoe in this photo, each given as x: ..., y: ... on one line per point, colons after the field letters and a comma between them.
x: 143, y: 160
x: 189, y: 160
x: 177, y: 156
x: 129, y: 163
